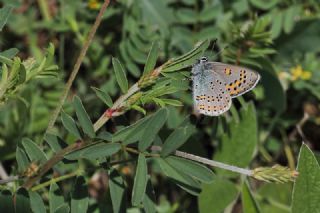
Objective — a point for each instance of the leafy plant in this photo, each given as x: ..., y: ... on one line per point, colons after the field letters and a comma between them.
x: 131, y: 143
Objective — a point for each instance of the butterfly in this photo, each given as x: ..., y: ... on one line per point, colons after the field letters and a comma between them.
x: 215, y: 84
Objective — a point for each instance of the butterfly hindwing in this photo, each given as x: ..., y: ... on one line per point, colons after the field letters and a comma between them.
x: 239, y: 80
x: 209, y: 94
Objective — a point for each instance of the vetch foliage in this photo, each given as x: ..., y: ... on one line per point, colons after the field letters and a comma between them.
x: 133, y: 143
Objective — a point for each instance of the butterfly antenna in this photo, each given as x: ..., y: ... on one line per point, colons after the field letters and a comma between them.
x: 213, y: 45
x: 221, y: 50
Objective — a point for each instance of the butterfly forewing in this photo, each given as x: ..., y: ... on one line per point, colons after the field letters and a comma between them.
x: 209, y: 93
x: 239, y: 80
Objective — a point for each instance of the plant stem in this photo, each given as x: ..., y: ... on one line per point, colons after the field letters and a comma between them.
x: 77, y: 66
x: 119, y: 102
x: 44, y: 9
x: 72, y: 174
x: 206, y: 161
x: 53, y: 161
x: 54, y: 180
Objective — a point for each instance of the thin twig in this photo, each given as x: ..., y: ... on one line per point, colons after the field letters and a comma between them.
x: 104, y: 118
x: 77, y: 66
x: 208, y: 162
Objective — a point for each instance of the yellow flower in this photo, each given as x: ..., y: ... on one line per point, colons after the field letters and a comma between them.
x: 306, y: 75
x: 94, y: 4
x: 298, y: 73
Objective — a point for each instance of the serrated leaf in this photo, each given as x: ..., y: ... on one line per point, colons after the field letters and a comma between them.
x: 176, y: 139
x: 79, y: 196
x: 33, y: 151
x: 220, y: 193
x: 94, y: 151
x: 36, y: 203
x: 120, y: 75
x: 306, y: 188
x: 117, y: 191
x: 155, y: 122
x: 152, y: 58
x: 70, y: 125
x: 83, y: 117
x: 249, y: 205
x: 22, y: 201
x: 184, y: 181
x: 6, y: 201
x: 5, y: 12
x: 140, y: 181
x: 103, y: 96
x: 55, y: 198
x: 191, y: 168
x: 239, y: 143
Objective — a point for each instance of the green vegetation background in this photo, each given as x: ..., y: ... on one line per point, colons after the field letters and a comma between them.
x: 40, y: 42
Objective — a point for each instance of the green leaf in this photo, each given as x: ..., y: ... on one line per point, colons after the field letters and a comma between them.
x: 152, y: 58
x: 184, y: 181
x: 215, y: 197
x: 22, y: 202
x: 276, y: 26
x: 289, y: 18
x: 239, y: 144
x: 22, y: 159
x: 36, y: 203
x: 117, y: 191
x: 149, y: 200
x: 63, y: 209
x: 306, y: 188
x: 176, y: 139
x: 105, y: 97
x: 9, y: 53
x: 104, y: 135
x: 274, y: 93
x: 83, y: 117
x: 275, y: 193
x: 4, y: 15
x: 155, y: 123
x: 55, y: 198
x: 6, y: 201
x: 55, y: 142
x: 264, y: 5
x: 191, y: 168
x: 186, y: 59
x: 94, y: 151
x: 249, y: 205
x: 33, y: 151
x: 70, y: 125
x: 131, y: 133
x: 140, y: 181
x: 79, y: 196
x: 186, y: 16
x: 120, y: 75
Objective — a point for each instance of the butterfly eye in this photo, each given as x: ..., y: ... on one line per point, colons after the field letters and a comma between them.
x: 203, y: 59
